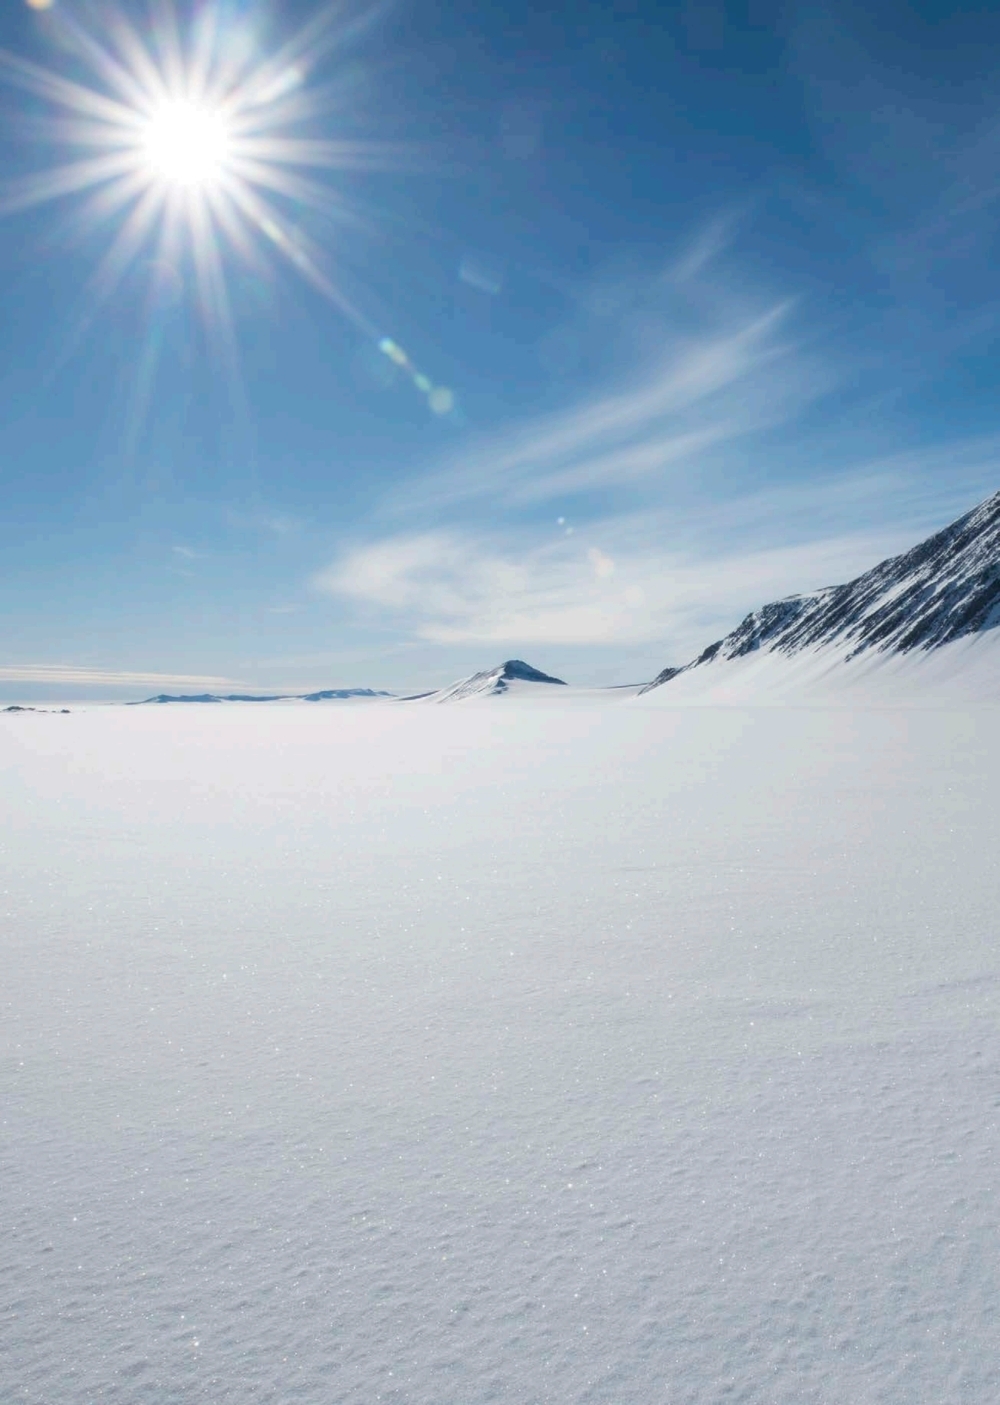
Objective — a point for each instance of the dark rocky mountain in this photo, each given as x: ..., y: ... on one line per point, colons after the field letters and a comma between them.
x: 17, y: 707
x: 946, y: 587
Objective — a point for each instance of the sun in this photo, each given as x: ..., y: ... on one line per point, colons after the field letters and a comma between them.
x: 191, y: 143
x: 193, y: 146
x: 187, y: 144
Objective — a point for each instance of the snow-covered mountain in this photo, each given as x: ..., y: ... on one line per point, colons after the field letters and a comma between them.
x: 943, y: 589
x: 492, y: 681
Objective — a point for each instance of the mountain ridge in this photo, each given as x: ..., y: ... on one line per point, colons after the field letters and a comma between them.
x: 938, y: 591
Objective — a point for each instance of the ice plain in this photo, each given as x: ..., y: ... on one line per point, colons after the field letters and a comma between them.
x: 575, y: 1048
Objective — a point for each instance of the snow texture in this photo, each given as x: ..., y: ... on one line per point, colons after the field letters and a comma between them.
x: 945, y: 588
x: 564, y: 1049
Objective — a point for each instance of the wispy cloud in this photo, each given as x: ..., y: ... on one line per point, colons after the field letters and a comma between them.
x: 457, y: 587
x: 662, y: 506
x: 664, y: 575
x: 68, y: 675
x: 701, y: 393
x: 706, y: 246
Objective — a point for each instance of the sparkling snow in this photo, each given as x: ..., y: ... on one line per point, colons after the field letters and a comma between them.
x: 562, y: 1048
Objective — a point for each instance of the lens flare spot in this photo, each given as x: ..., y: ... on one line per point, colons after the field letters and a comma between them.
x: 441, y: 400
x: 187, y: 144
x: 394, y: 352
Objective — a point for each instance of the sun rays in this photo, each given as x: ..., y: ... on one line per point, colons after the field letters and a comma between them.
x: 191, y: 140
x: 196, y: 148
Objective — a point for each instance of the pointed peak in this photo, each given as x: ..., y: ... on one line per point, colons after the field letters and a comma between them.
x: 491, y: 682
x: 517, y: 668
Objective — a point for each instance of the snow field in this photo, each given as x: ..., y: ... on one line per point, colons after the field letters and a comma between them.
x: 604, y: 1051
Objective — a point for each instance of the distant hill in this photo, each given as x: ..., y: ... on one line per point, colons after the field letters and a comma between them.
x: 323, y: 696
x: 942, y: 589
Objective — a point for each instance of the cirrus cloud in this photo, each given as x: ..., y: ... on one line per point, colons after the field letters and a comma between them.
x: 68, y: 675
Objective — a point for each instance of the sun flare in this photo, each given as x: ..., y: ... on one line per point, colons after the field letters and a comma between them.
x: 187, y: 143
x: 194, y: 145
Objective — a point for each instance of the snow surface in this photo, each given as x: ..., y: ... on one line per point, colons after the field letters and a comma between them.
x: 599, y: 1050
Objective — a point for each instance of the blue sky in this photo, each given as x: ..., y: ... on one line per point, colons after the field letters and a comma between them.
x: 703, y: 300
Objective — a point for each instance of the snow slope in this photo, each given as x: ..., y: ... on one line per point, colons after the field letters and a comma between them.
x: 964, y: 673
x: 608, y: 1052
x: 943, y: 590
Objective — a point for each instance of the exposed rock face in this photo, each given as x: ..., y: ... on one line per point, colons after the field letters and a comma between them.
x: 946, y: 587
x: 516, y: 668
x: 17, y: 707
x: 326, y: 693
